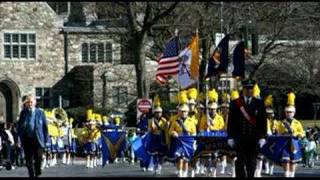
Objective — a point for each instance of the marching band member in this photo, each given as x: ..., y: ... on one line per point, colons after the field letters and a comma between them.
x: 182, y: 126
x: 272, y: 129
x: 98, y: 159
x: 156, y: 126
x: 105, y: 121
x: 201, y: 113
x: 205, y: 125
x: 292, y: 127
x: 70, y: 142
x: 212, y: 122
x: 260, y: 157
x: 91, y: 141
x: 247, y: 128
x: 223, y: 111
x: 192, y: 94
x: 142, y: 129
x: 47, y: 150
x: 54, y: 144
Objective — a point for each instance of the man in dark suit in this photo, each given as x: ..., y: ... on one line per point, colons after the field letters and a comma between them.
x: 33, y: 131
x: 247, y: 125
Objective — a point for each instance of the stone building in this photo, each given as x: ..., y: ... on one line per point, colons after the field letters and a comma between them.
x: 73, y: 62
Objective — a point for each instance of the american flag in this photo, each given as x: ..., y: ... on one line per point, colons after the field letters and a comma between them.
x: 168, y: 61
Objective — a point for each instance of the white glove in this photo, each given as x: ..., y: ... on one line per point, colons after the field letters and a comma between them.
x: 262, y: 142
x: 231, y: 142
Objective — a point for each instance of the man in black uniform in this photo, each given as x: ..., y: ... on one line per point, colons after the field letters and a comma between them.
x: 246, y: 129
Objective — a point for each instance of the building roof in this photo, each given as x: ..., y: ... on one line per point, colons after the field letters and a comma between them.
x: 97, y: 29
x: 98, y: 26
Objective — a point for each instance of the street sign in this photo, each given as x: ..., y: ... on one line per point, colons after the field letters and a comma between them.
x: 143, y: 106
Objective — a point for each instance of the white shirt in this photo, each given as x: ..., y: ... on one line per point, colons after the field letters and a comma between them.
x: 10, y: 137
x: 247, y: 100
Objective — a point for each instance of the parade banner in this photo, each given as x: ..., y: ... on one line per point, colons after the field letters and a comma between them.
x: 211, y: 141
x: 278, y: 147
x: 113, y: 143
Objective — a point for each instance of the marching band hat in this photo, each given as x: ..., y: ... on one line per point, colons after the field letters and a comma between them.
x: 192, y: 101
x: 248, y: 83
x: 213, y: 105
x: 269, y: 110
x: 157, y: 109
x: 184, y: 107
x: 224, y: 105
x: 291, y: 102
x: 290, y: 109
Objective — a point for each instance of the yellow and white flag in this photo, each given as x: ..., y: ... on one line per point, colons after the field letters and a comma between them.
x: 189, y: 64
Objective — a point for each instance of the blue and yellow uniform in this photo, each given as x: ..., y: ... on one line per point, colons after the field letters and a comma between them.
x: 295, y: 126
x: 190, y: 127
x: 295, y: 129
x: 272, y: 126
x: 157, y: 143
x: 216, y: 124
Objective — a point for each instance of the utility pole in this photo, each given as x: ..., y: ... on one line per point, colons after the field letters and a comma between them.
x: 221, y: 17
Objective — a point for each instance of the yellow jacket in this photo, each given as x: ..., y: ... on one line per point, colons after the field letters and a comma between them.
x: 61, y: 132
x: 173, y: 118
x: 217, y: 123
x: 296, y: 127
x: 194, y: 117
x: 189, y: 123
x: 92, y: 135
x: 162, y: 125
x: 272, y: 126
x: 53, y: 130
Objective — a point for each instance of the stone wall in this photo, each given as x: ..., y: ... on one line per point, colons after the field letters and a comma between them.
x: 120, y: 75
x: 48, y: 66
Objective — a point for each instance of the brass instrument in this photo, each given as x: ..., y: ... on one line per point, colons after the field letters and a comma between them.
x: 60, y: 116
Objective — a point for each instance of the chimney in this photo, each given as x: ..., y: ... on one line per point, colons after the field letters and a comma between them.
x: 89, y: 11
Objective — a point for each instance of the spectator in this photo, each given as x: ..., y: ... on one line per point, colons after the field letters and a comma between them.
x: 33, y: 131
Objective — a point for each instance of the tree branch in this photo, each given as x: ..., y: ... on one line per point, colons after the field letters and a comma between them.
x: 131, y: 17
x: 165, y: 13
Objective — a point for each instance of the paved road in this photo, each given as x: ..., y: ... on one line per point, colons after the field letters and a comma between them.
x: 129, y: 170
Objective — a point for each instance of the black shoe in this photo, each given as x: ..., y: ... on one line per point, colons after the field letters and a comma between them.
x: 38, y: 174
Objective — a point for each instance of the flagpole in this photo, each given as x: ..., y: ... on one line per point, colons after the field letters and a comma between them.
x: 176, y: 32
x: 198, y: 82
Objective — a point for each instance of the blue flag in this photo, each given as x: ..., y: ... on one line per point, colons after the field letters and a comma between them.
x: 238, y: 60
x: 278, y: 147
x: 113, y: 143
x: 182, y: 146
x: 218, y: 61
x: 139, y: 148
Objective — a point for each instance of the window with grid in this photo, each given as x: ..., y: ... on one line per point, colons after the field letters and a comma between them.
x: 120, y: 95
x: 43, y: 96
x: 20, y: 46
x: 97, y: 52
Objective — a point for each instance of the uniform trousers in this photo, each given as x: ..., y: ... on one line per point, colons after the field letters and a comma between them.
x: 33, y: 155
x: 247, y: 150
